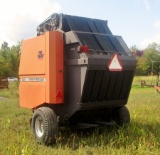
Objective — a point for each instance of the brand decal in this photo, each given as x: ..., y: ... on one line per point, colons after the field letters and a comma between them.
x: 40, y: 55
x: 33, y: 79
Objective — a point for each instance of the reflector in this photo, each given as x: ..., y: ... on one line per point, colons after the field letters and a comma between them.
x: 83, y: 49
x: 59, y: 94
x: 86, y: 49
x: 115, y: 63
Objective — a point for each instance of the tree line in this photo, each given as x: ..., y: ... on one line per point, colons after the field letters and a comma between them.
x: 148, y: 60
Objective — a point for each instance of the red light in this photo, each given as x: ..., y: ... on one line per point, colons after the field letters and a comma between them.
x: 83, y: 49
x: 86, y: 50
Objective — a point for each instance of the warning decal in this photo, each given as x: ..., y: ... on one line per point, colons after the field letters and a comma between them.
x: 115, y: 63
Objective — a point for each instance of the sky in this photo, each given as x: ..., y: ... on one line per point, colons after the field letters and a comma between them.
x: 137, y: 21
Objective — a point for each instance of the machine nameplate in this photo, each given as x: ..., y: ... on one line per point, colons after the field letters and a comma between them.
x: 33, y: 79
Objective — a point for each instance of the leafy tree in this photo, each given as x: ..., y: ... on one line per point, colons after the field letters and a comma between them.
x: 153, y: 56
x: 9, y: 59
x: 4, y: 68
x: 14, y: 58
x: 142, y: 65
x: 149, y: 61
x: 133, y: 48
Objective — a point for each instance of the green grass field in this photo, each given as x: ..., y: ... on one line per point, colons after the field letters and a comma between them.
x: 141, y: 137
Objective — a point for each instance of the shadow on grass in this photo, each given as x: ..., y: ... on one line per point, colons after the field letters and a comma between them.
x: 110, y: 136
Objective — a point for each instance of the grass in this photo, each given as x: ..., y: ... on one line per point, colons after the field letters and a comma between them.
x: 150, y: 80
x: 141, y: 137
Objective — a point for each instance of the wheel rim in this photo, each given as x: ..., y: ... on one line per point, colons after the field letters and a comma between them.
x: 39, y: 127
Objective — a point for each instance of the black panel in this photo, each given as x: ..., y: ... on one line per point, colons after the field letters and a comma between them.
x: 128, y: 76
x: 108, y: 44
x: 83, y: 39
x: 118, y: 85
x: 111, y: 86
x: 94, y: 32
x: 106, y: 28
x: 123, y: 44
x: 71, y: 23
x: 79, y: 24
x: 92, y: 26
x: 100, y: 41
x: 116, y: 44
x: 96, y: 85
x: 88, y: 40
x: 82, y: 24
x: 65, y: 25
x: 94, y: 43
x: 99, y: 26
x: 104, y: 85
x: 88, y: 84
x: 131, y: 76
x: 87, y: 24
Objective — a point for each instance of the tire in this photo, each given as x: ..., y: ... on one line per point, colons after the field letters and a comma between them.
x: 121, y: 116
x: 44, y: 125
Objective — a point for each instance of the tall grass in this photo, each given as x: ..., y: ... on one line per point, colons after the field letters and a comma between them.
x: 150, y: 80
x: 11, y: 92
x: 141, y: 137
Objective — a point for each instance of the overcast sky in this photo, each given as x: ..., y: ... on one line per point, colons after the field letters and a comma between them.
x: 137, y: 21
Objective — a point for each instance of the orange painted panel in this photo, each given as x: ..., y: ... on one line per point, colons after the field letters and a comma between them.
x: 33, y: 56
x: 54, y: 67
x: 41, y: 70
x: 33, y: 95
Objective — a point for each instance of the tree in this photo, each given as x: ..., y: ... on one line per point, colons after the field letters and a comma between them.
x: 4, y: 68
x: 9, y: 59
x: 153, y: 57
x: 149, y: 61
x: 14, y: 58
x: 133, y: 48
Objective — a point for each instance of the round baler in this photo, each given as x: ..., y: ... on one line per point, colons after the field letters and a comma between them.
x: 75, y: 72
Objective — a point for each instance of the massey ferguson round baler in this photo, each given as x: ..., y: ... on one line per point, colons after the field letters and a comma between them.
x: 75, y: 72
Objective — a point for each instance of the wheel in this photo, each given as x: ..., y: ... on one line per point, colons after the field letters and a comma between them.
x: 44, y: 125
x: 121, y: 116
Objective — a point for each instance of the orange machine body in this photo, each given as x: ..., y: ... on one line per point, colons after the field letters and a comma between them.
x: 41, y: 70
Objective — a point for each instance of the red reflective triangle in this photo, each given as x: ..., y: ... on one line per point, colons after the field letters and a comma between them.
x: 115, y: 63
x: 59, y: 94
